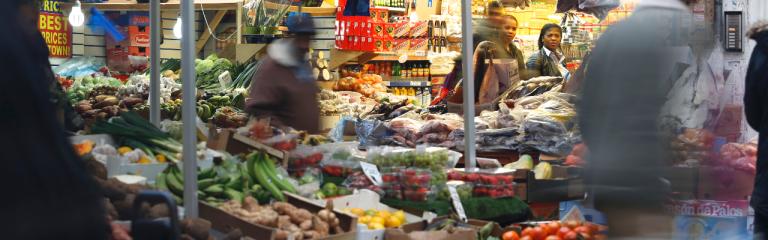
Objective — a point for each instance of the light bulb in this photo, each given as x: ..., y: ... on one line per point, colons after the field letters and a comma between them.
x: 177, y: 28
x: 76, y: 17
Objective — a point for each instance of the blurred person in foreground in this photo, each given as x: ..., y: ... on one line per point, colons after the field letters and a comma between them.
x: 756, y: 111
x: 548, y: 61
x: 284, y: 88
x: 65, y: 113
x: 49, y: 194
x: 624, y: 90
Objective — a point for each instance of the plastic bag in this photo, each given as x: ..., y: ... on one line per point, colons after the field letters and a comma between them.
x: 598, y: 8
x: 79, y: 67
x: 585, y: 4
x: 339, y: 160
x: 370, y: 132
x: 545, y: 134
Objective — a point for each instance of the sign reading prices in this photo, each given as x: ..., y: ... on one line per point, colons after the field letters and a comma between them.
x: 55, y: 29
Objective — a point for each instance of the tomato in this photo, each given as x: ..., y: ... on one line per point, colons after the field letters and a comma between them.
x: 538, y: 233
x: 563, y: 231
x: 572, y: 224
x: 571, y: 236
x: 545, y: 229
x: 583, y: 229
x: 527, y: 232
x: 510, y: 235
x: 526, y: 238
x: 585, y: 236
x: 554, y: 225
x: 553, y: 237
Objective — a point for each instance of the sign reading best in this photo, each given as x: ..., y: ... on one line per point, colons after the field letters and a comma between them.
x: 55, y: 29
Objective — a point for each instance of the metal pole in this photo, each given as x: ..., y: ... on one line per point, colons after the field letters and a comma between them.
x: 188, y: 111
x: 468, y: 85
x: 154, y: 60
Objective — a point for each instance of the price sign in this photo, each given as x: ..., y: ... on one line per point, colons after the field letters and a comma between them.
x: 457, y: 203
x: 372, y: 172
x: 55, y: 29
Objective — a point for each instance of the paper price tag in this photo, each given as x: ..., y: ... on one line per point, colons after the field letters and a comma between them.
x: 372, y: 172
x: 457, y: 203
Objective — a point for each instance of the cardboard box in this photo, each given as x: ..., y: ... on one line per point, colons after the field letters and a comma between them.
x: 225, y: 222
x: 708, y: 219
x: 138, y: 36
x: 415, y: 231
x: 684, y: 180
x: 566, y: 184
x: 229, y: 141
x: 724, y: 184
x: 138, y: 51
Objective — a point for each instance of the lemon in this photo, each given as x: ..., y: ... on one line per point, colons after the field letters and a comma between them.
x: 375, y: 226
x: 393, y: 222
x: 400, y: 215
x: 383, y: 214
x: 364, y: 219
x: 370, y: 212
x: 378, y: 219
x: 357, y: 211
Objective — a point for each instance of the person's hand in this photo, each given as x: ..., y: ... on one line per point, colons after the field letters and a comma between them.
x: 120, y: 232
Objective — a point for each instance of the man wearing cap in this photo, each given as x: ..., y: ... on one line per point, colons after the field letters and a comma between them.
x: 284, y: 88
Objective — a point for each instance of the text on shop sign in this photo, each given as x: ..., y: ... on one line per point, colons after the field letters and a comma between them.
x: 55, y: 29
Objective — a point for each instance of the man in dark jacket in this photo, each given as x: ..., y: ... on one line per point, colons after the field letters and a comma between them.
x: 624, y: 90
x: 284, y: 88
x: 756, y: 110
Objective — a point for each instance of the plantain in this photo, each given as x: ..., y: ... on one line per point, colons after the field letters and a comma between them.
x: 205, y: 183
x: 214, y: 189
x: 174, y: 185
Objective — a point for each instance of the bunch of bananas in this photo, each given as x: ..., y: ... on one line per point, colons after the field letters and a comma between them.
x: 220, y: 101
x: 214, y: 188
x: 171, y: 110
x: 205, y: 110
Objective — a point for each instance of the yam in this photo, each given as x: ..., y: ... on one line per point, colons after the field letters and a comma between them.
x: 197, y: 228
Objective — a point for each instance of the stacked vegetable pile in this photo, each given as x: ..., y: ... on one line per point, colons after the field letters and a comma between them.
x: 291, y: 222
x: 229, y: 180
x: 82, y: 88
x: 131, y: 130
x: 208, y: 71
x: 555, y: 230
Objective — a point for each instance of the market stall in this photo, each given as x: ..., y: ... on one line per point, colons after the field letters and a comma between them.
x: 181, y: 128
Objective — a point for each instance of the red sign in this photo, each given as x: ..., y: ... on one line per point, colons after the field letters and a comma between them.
x: 55, y: 29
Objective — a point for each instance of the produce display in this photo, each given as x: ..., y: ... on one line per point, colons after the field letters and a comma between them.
x: 209, y: 70
x: 291, y: 222
x: 366, y: 84
x: 555, y: 230
x: 738, y: 156
x: 377, y: 219
x: 692, y: 147
x: 131, y: 130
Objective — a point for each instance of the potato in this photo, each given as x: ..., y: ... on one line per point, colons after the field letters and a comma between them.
x: 196, y: 227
